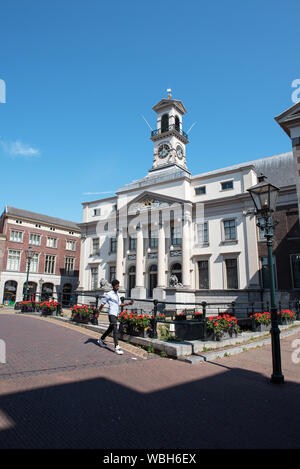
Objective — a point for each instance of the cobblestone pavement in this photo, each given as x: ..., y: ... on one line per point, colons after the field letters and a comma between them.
x: 60, y: 390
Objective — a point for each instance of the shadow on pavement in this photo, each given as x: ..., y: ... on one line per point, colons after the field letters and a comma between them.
x: 232, y: 409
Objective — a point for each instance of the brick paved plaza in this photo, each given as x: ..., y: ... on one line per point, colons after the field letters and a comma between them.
x: 59, y: 389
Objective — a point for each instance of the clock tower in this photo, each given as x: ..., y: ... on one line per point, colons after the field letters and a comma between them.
x: 169, y: 139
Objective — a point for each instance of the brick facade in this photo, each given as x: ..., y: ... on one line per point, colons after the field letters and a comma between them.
x: 60, y: 280
x: 286, y: 243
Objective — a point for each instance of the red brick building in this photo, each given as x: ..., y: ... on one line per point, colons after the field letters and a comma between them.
x: 286, y: 246
x: 54, y: 268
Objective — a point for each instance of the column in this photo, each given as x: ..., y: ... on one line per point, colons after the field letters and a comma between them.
x: 139, y: 278
x: 186, y: 244
x: 161, y: 276
x: 120, y: 256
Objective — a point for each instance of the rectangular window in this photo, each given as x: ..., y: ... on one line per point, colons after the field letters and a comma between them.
x: 200, y: 190
x: 265, y: 280
x: 69, y: 265
x: 176, y: 239
x: 35, y: 239
x: 113, y: 244
x: 226, y: 185
x: 70, y: 245
x: 153, y: 238
x: 34, y: 263
x: 16, y: 236
x: 296, y: 270
x: 49, y: 264
x: 231, y: 273
x: 202, y: 232
x: 96, y: 212
x: 13, y: 260
x: 112, y: 273
x: 229, y: 230
x: 132, y: 244
x: 95, y: 248
x: 51, y: 242
x: 203, y: 275
x: 94, y: 278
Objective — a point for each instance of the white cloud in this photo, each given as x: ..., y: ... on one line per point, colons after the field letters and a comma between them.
x: 19, y: 148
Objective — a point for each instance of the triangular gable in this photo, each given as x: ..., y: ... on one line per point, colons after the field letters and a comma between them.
x: 147, y: 195
x: 289, y: 118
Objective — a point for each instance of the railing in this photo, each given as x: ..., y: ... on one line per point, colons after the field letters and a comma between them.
x: 242, y: 311
x: 170, y: 127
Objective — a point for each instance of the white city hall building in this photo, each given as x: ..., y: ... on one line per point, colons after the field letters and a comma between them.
x: 171, y: 235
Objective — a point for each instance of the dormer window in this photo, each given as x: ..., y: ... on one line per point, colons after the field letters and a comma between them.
x: 165, y: 123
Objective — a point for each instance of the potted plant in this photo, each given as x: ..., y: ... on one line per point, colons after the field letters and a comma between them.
x: 180, y: 316
x: 161, y: 317
x: 287, y: 316
x: 28, y: 306
x: 198, y: 315
x: 81, y: 313
x: 132, y: 323
x: 48, y: 307
x: 261, y: 321
x: 222, y: 327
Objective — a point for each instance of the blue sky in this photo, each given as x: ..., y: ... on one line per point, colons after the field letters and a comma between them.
x: 80, y: 74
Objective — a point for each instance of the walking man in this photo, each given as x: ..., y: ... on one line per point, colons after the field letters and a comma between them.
x: 113, y: 300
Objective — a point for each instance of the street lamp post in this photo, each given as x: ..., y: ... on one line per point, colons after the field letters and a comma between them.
x: 264, y: 196
x: 29, y: 255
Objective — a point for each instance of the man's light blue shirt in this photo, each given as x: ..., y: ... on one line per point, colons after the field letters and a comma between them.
x: 113, y: 300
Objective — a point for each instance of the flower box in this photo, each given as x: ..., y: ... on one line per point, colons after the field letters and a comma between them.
x: 262, y: 327
x: 287, y: 317
x: 29, y: 306
x: 132, y: 323
x: 222, y: 327
x: 82, y: 320
x: 180, y: 317
x: 82, y: 313
x: 48, y: 307
x: 223, y: 336
x: 198, y: 316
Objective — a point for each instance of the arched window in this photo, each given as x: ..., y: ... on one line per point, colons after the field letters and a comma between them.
x: 176, y: 270
x: 47, y: 291
x: 165, y: 123
x: 177, y: 124
x: 10, y: 291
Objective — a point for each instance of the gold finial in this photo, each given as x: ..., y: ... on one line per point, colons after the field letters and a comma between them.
x: 169, y: 93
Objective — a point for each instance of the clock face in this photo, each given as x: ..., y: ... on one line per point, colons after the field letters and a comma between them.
x: 179, y: 152
x: 163, y: 150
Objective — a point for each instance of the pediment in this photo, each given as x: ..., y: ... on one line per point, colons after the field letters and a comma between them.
x: 151, y: 200
x: 289, y: 118
x: 165, y: 103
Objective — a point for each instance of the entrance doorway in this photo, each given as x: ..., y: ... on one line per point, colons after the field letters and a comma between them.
x: 152, y: 279
x: 131, y: 279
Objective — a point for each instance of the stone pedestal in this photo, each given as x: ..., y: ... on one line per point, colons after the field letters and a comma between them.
x: 159, y: 294
x: 138, y: 292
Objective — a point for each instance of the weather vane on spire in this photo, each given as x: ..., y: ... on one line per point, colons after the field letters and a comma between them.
x: 169, y: 93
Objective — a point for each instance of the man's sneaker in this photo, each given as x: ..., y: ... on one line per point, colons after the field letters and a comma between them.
x: 101, y: 343
x: 118, y: 350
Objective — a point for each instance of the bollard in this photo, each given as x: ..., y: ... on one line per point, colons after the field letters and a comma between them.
x: 204, y: 331
x: 253, y: 319
x: 154, y: 319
